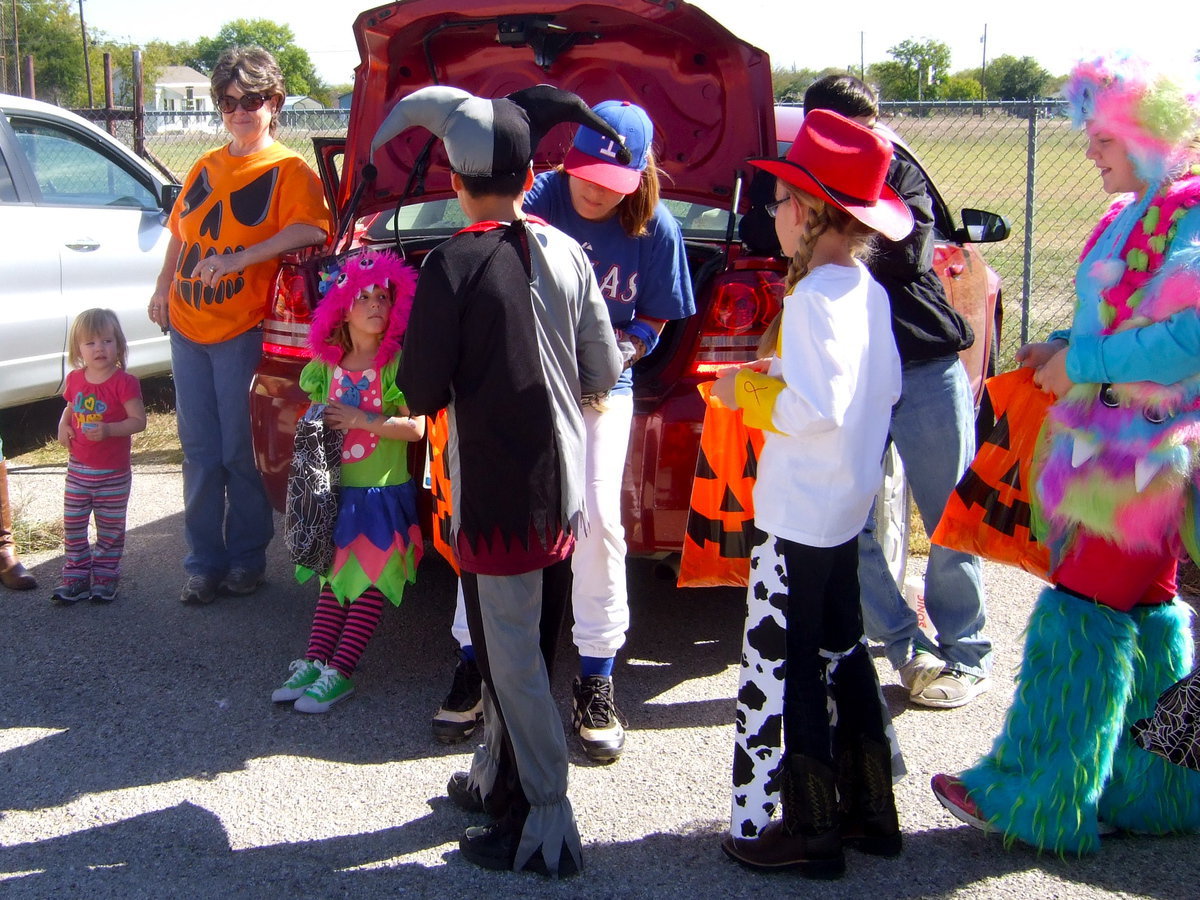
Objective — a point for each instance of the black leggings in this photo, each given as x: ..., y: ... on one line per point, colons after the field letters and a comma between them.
x: 824, y: 614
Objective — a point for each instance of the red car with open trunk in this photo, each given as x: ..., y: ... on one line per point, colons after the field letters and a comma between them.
x: 709, y: 95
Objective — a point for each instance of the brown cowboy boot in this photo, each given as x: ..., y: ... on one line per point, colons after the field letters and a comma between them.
x: 12, y: 573
x: 807, y: 838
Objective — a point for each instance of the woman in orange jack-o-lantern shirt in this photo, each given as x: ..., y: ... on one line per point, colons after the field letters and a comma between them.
x: 243, y: 205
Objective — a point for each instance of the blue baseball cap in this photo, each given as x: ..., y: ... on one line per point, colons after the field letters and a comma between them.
x: 594, y: 156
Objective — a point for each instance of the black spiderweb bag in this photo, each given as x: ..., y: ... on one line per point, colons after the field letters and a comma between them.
x: 312, y: 492
x: 1173, y: 730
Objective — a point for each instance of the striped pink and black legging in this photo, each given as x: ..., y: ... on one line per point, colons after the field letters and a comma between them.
x: 340, y: 633
x: 106, y: 494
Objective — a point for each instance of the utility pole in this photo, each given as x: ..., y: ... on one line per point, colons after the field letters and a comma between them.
x: 862, y: 56
x: 3, y: 59
x: 983, y: 68
x: 16, y: 54
x: 87, y: 63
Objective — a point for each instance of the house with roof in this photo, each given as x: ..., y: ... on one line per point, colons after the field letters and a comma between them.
x: 182, y: 101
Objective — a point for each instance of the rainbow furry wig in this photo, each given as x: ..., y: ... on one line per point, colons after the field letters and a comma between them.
x: 344, y: 280
x: 1156, y: 114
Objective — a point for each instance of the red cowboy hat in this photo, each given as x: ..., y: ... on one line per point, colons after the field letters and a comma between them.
x: 844, y: 163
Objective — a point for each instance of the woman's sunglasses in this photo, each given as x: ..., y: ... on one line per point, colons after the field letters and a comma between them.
x: 773, y: 208
x: 248, y: 102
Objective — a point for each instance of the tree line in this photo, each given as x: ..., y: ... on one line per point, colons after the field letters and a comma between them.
x: 920, y: 70
x: 51, y: 33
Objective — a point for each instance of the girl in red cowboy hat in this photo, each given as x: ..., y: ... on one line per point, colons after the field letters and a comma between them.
x: 811, y: 725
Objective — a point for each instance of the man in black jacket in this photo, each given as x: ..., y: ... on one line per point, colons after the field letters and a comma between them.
x: 933, y: 427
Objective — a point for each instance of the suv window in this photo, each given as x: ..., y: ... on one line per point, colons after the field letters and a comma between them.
x: 71, y: 172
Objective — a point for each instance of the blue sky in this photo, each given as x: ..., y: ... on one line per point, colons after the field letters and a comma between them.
x: 793, y: 33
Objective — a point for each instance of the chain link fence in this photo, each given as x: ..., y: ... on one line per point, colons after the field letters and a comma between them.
x: 119, y: 122
x: 1019, y: 159
x: 1024, y: 161
x: 177, y: 139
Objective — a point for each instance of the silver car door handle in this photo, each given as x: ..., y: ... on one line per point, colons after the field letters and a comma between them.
x: 84, y: 245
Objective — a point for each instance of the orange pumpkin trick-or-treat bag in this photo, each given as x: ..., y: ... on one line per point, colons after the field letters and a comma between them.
x: 720, y: 524
x: 436, y: 432
x: 988, y: 512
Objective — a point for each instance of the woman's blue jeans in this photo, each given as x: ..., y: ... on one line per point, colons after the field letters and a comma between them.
x: 226, y: 515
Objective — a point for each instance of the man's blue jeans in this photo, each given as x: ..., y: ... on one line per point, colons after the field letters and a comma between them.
x: 933, y: 427
x: 226, y: 515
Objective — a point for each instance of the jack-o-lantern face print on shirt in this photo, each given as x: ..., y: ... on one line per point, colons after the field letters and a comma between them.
x: 230, y: 203
x: 224, y: 220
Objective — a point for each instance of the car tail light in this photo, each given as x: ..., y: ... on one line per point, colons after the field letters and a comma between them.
x: 743, y: 304
x: 285, y: 329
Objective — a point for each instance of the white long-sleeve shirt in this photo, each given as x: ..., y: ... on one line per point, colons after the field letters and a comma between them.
x: 825, y: 405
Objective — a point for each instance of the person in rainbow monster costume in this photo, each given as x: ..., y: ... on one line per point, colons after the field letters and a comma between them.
x: 1117, y: 479
x: 356, y: 334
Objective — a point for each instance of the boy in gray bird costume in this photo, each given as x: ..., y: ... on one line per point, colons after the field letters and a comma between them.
x: 508, y: 331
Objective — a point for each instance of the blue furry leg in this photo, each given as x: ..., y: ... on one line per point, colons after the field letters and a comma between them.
x: 1147, y: 793
x: 1042, y: 781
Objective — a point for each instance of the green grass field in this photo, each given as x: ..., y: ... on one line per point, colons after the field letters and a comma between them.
x: 975, y: 161
x: 982, y: 162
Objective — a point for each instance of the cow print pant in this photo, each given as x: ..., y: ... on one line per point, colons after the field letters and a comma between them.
x: 759, y: 726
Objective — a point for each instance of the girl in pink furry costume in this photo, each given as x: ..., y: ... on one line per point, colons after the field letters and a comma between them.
x: 356, y: 334
x: 1117, y: 478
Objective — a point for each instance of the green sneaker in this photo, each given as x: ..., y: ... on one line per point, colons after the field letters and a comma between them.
x: 304, y: 673
x: 327, y: 690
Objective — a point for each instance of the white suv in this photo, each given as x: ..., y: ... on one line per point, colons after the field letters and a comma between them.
x: 82, y: 224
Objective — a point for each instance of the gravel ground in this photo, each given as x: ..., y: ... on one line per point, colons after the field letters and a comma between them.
x: 140, y: 755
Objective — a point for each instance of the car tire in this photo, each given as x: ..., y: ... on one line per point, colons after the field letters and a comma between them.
x: 892, y: 519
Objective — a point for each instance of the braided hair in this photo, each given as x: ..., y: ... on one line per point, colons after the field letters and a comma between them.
x: 822, y: 217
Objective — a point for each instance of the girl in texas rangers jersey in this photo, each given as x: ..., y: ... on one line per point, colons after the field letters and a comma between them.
x: 637, y: 253
x: 104, y: 409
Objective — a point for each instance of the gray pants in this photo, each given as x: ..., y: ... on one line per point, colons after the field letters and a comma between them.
x: 515, y: 622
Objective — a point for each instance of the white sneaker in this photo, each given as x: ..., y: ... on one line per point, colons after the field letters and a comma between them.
x: 462, y: 710
x: 952, y: 689
x: 920, y: 671
x: 597, y: 720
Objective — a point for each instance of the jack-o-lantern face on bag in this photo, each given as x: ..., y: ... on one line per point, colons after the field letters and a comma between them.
x: 988, y: 514
x: 227, y: 224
